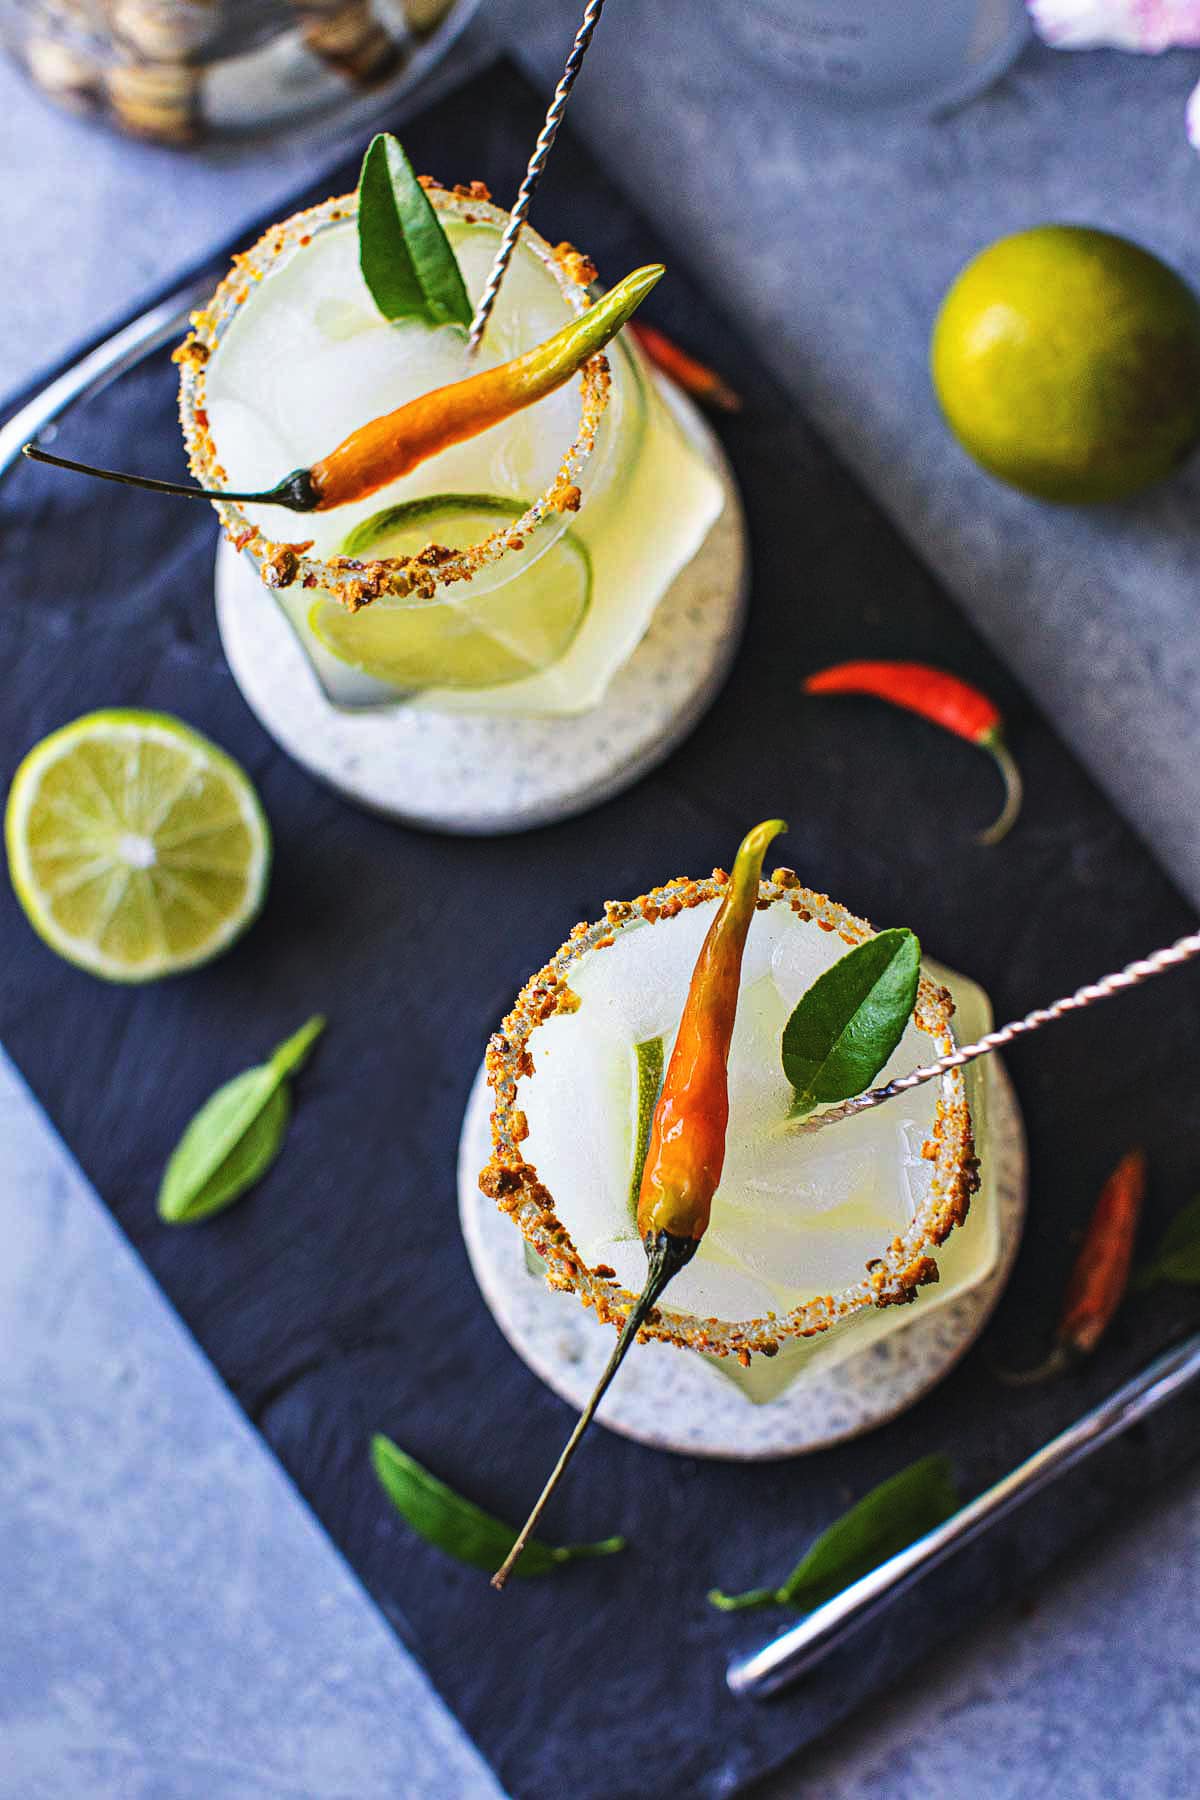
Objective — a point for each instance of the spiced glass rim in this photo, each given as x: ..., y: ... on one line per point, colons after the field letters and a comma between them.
x: 356, y: 581
x: 892, y: 1278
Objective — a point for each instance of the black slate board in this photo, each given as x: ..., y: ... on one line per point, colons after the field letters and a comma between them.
x: 338, y: 1300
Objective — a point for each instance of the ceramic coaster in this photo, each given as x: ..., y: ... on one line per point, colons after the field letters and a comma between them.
x: 674, y: 1400
x: 479, y: 773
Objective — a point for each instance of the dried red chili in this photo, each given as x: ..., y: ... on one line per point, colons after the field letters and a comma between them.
x: 1100, y: 1276
x: 944, y: 700
x: 693, y: 376
x: 686, y: 1152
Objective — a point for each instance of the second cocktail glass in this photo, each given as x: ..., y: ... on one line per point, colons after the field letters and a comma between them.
x: 813, y: 1240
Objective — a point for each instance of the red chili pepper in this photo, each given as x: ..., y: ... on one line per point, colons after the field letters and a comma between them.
x: 944, y: 700
x: 1100, y: 1276
x: 693, y: 376
x: 687, y: 1137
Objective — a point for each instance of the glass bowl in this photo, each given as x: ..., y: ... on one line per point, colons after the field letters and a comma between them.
x: 180, y: 71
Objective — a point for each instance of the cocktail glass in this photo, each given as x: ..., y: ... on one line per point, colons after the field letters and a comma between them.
x: 816, y: 1239
x: 567, y: 522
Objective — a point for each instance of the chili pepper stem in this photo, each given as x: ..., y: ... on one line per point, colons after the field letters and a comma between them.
x: 1014, y: 788
x: 295, y: 491
x: 1057, y: 1363
x: 666, y: 1255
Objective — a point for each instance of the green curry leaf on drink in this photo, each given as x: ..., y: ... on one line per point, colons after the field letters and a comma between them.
x: 403, y: 252
x: 848, y: 1023
x: 884, y: 1522
x: 459, y: 1527
x: 236, y: 1135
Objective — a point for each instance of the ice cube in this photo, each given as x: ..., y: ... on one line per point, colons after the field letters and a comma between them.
x: 637, y: 986
x: 580, y: 1106
x: 802, y: 953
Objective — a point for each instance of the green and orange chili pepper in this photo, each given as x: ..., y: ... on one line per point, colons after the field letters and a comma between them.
x: 687, y: 1135
x: 391, y: 446
x: 944, y: 700
x: 686, y: 1152
x: 1100, y: 1275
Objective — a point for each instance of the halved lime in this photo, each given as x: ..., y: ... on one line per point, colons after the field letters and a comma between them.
x: 135, y: 846
x: 462, y: 638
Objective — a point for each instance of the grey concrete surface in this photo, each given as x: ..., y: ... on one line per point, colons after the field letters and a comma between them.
x: 175, y: 1624
x: 1089, y: 1697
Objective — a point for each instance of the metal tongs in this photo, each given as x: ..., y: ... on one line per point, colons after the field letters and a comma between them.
x: 798, y: 1651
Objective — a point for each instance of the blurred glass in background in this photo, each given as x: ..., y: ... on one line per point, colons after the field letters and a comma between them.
x: 922, y: 55
x: 178, y: 71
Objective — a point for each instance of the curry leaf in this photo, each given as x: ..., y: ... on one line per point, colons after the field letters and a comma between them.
x: 885, y: 1521
x: 459, y: 1527
x: 850, y: 1020
x: 404, y: 254
x: 235, y: 1137
x: 1177, y: 1257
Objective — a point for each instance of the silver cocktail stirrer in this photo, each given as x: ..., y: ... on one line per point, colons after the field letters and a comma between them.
x: 537, y: 162
x: 1132, y: 975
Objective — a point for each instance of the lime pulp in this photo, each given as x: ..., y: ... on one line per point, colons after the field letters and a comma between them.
x: 461, y: 638
x: 136, y: 847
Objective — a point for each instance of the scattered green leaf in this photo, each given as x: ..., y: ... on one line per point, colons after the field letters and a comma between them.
x: 888, y: 1519
x: 235, y: 1137
x: 847, y: 1024
x: 459, y: 1527
x: 404, y: 254
x: 1177, y: 1257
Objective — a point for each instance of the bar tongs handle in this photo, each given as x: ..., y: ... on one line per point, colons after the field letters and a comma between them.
x: 798, y: 1651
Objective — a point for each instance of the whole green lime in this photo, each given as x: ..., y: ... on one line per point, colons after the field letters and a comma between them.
x: 1067, y: 362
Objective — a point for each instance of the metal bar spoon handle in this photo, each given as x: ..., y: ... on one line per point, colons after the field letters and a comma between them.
x: 798, y: 1651
x: 537, y: 162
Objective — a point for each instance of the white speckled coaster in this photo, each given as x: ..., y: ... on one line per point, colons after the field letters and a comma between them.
x: 480, y: 773
x: 676, y: 1400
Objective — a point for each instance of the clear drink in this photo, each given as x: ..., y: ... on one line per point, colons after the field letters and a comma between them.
x: 808, y: 1232
x: 556, y: 603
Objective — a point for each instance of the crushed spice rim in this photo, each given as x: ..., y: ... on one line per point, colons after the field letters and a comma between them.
x: 356, y: 581
x: 890, y: 1279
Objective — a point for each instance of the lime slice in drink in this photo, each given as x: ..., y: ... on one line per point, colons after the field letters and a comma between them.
x: 649, y: 1086
x: 135, y: 846
x: 460, y: 639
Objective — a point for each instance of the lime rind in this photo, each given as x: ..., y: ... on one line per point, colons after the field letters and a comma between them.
x: 368, y: 533
x: 90, y: 789
x: 469, y: 639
